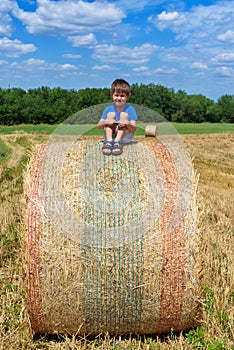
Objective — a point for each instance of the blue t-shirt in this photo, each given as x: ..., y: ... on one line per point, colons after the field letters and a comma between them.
x: 128, y: 109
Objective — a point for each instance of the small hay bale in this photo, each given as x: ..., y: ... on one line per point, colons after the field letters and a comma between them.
x: 151, y: 130
x: 112, y: 243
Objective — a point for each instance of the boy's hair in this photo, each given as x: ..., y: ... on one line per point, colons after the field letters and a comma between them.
x: 120, y: 86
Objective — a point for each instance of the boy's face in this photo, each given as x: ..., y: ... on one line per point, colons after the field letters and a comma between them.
x: 119, y: 98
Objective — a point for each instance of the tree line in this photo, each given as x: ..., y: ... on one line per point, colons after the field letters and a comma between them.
x: 55, y: 105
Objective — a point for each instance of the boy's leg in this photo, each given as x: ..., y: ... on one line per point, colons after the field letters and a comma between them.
x: 118, y: 146
x: 124, y: 120
x: 110, y: 125
x: 108, y: 143
x: 120, y: 133
x: 109, y: 133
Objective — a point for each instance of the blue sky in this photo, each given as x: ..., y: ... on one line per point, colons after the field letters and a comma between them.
x: 74, y: 44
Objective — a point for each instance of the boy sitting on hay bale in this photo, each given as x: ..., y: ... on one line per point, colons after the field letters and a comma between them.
x: 118, y: 119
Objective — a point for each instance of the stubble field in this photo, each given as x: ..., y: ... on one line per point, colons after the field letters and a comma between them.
x: 213, y: 159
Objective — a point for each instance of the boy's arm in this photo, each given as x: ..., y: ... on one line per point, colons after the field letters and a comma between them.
x: 101, y: 124
x: 128, y: 119
x: 104, y: 122
x: 132, y: 126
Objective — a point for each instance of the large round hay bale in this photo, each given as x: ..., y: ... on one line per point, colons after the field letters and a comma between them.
x: 112, y: 244
x: 151, y: 130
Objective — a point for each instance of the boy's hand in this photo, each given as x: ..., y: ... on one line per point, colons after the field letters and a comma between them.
x: 123, y: 123
x: 109, y: 122
x: 131, y: 126
x: 101, y: 124
x: 105, y: 122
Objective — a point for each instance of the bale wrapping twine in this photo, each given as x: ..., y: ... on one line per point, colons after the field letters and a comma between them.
x: 111, y: 241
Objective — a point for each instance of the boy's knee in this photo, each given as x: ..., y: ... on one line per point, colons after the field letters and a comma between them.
x: 124, y: 116
x: 111, y: 115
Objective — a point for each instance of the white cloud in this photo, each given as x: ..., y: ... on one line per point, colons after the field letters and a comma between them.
x: 71, y: 55
x: 33, y: 64
x: 198, y: 65
x: 163, y: 70
x: 199, y: 22
x: 5, y: 5
x: 225, y: 71
x: 67, y: 66
x: 171, y: 16
x: 70, y: 17
x: 3, y: 62
x: 5, y: 25
x: 104, y: 67
x: 6, y: 21
x: 83, y: 40
x: 154, y: 72
x: 125, y: 54
x: 165, y: 19
x: 224, y: 57
x: 15, y: 48
x: 227, y: 36
x: 140, y: 69
x: 200, y: 35
x: 175, y: 56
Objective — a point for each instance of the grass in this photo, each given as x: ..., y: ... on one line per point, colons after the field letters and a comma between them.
x: 203, y: 128
x: 4, y: 152
x: 91, y: 129
x: 39, y: 129
x: 213, y: 160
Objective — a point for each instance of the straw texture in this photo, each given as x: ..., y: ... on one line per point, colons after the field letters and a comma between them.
x: 112, y: 243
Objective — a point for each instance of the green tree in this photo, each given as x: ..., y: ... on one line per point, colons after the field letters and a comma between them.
x: 198, y: 107
x: 154, y: 102
x: 180, y: 102
x: 13, y: 105
x: 226, y: 103
x: 214, y: 113
x: 155, y: 97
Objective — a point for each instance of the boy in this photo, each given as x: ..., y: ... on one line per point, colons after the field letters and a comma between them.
x: 118, y: 119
